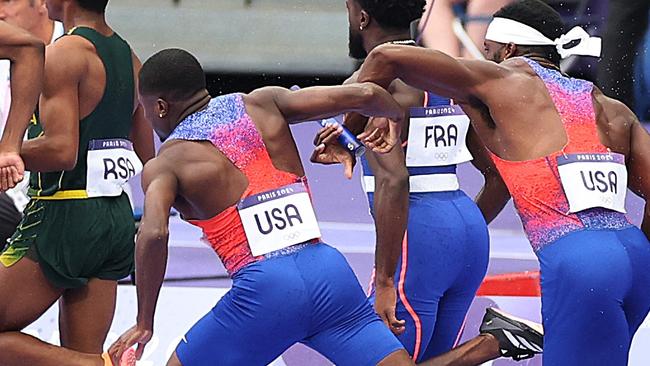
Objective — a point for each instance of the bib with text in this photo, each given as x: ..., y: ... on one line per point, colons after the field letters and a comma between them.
x: 279, y: 218
x: 594, y: 180
x: 437, y: 136
x: 111, y: 163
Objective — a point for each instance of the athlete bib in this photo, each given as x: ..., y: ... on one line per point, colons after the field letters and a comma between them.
x: 111, y: 163
x: 437, y: 136
x: 277, y: 219
x: 594, y: 180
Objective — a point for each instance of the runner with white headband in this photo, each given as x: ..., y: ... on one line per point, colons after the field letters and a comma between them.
x: 568, y: 154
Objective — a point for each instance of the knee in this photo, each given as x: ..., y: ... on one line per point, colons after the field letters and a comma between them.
x: 174, y: 361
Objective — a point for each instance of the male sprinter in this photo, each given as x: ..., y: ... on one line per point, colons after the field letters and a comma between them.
x: 77, y: 235
x: 288, y: 286
x: 26, y: 54
x: 32, y: 16
x: 567, y: 154
x: 445, y: 250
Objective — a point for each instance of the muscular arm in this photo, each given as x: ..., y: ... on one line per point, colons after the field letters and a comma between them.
x: 494, y: 195
x: 391, y: 202
x: 56, y: 149
x: 141, y: 132
x: 160, y: 186
x: 327, y: 101
x: 431, y: 70
x: 638, y: 166
x: 26, y: 54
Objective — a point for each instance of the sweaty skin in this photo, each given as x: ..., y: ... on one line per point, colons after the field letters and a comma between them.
x: 508, y: 103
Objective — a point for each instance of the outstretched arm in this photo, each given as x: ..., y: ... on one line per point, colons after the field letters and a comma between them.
x: 431, y: 70
x: 160, y: 185
x: 327, y: 101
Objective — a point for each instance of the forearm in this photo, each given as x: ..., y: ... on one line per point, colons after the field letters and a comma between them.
x: 151, y: 262
x: 26, y: 86
x: 44, y: 154
x: 391, y: 201
x: 492, y: 198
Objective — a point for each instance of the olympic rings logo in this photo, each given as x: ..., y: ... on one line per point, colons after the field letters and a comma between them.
x: 292, y: 236
x: 606, y: 200
x: 441, y: 156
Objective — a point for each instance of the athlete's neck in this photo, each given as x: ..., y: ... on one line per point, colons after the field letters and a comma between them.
x: 196, y: 103
x: 74, y: 16
x: 373, y: 40
x: 542, y: 61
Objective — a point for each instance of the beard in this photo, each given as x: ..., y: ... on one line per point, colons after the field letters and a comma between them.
x: 355, y: 45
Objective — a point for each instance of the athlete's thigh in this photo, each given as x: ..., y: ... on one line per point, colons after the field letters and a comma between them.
x: 86, y: 314
x: 584, y: 323
x: 364, y: 341
x: 27, y: 294
x: 266, y: 311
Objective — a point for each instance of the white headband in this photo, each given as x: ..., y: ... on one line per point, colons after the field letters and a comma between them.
x: 576, y: 42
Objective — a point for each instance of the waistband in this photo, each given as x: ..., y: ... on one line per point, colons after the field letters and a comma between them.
x: 289, y: 250
x: 421, y: 183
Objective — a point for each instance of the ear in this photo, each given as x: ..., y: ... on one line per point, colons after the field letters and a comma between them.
x: 365, y: 20
x: 162, y: 108
x: 510, y: 50
x: 41, y: 6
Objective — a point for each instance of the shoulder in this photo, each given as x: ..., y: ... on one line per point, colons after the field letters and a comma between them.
x: 618, y: 115
x: 68, y: 55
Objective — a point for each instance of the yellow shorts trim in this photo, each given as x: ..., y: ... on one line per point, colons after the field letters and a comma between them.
x: 65, y: 195
x: 12, y: 255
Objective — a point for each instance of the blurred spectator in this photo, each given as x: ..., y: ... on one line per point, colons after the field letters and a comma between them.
x: 642, y: 80
x: 627, y: 23
x: 438, y: 31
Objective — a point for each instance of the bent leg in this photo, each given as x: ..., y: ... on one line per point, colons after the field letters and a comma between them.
x: 86, y: 314
x: 30, y: 295
x: 476, y: 351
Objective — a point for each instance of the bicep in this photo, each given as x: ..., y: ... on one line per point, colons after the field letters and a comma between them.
x: 320, y: 101
x: 59, y: 101
x: 430, y: 70
x: 160, y: 187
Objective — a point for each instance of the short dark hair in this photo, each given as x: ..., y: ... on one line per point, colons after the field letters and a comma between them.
x: 394, y: 14
x: 172, y: 72
x: 542, y: 17
x: 98, y: 6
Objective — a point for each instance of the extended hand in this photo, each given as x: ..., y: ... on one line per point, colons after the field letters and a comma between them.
x: 385, y: 303
x: 132, y: 336
x: 329, y: 151
x: 381, y: 134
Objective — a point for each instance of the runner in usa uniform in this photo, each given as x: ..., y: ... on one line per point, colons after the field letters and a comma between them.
x: 567, y: 154
x: 230, y: 166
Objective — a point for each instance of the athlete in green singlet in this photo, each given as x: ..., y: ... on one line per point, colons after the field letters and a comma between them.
x: 76, y: 240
